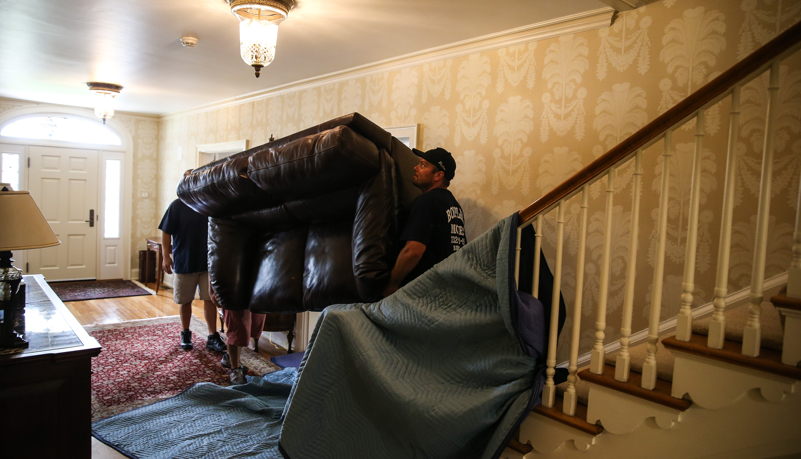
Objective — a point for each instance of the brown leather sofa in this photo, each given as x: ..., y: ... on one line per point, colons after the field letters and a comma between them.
x: 305, y: 221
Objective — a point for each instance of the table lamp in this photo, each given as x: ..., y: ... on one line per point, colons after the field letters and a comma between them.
x: 23, y: 227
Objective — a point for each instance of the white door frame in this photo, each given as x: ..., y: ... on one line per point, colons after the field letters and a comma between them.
x: 209, y: 152
x: 126, y: 147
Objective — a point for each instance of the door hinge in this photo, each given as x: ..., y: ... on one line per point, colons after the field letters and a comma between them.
x: 26, y: 267
x: 29, y: 162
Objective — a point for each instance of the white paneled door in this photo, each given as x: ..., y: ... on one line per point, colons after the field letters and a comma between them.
x: 63, y: 182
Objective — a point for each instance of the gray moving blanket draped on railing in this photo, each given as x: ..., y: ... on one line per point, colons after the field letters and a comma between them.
x: 447, y: 367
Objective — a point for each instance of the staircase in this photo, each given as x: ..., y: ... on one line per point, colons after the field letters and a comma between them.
x: 717, y: 380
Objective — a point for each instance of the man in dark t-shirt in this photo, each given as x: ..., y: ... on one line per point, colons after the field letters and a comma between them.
x: 184, y: 250
x: 435, y: 228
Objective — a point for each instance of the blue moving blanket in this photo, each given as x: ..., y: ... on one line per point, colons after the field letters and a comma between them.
x: 205, y: 421
x: 447, y: 367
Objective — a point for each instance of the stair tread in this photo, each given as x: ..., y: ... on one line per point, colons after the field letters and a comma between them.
x: 664, y: 359
x: 579, y: 421
x: 783, y: 301
x: 769, y: 319
x: 769, y: 360
x: 522, y: 448
x: 582, y: 390
x: 661, y: 394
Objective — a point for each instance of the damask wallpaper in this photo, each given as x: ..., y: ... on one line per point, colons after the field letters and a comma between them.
x: 522, y: 119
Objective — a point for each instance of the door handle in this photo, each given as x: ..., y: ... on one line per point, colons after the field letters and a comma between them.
x: 91, y: 220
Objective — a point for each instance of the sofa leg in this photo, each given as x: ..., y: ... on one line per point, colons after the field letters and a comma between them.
x: 290, y: 335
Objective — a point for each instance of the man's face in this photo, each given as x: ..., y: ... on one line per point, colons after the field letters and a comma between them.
x: 424, y: 175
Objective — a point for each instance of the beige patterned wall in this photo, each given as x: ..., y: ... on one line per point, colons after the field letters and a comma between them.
x: 145, y: 131
x: 522, y: 119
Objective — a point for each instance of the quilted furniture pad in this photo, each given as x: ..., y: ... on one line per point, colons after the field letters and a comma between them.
x: 446, y: 367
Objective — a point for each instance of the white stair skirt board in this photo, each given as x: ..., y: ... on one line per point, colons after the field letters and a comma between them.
x: 621, y: 413
x: 750, y: 428
x: 547, y: 435
x: 791, y: 347
x: 713, y: 384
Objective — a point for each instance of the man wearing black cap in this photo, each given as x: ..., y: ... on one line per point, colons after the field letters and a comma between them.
x: 436, y: 223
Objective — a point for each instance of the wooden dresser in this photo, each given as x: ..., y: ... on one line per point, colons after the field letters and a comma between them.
x: 45, y: 391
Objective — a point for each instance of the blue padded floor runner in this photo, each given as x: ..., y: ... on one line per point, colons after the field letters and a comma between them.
x: 205, y: 421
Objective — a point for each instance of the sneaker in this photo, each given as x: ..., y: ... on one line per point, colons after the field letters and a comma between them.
x: 238, y: 376
x: 186, y: 340
x: 226, y: 363
x: 215, y: 343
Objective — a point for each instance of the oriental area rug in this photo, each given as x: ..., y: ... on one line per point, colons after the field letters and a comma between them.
x: 141, y: 363
x: 94, y: 290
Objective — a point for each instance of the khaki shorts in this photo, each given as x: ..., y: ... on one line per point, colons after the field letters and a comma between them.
x: 185, y: 285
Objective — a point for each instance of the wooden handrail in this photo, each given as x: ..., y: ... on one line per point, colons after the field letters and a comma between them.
x: 780, y: 47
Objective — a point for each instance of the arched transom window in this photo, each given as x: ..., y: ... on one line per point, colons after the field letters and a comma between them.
x: 63, y: 128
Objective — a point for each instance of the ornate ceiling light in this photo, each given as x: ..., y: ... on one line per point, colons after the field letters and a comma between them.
x: 104, y: 102
x: 258, y: 28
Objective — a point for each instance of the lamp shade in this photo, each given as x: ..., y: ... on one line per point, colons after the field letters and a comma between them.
x: 23, y: 225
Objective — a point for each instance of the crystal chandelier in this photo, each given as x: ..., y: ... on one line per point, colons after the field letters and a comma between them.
x: 104, y: 98
x: 258, y: 28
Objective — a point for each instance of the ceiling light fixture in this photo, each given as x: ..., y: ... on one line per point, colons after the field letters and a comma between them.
x: 104, y: 98
x: 258, y: 28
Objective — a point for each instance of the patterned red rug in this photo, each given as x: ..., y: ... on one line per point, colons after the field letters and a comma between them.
x: 141, y: 363
x: 93, y: 290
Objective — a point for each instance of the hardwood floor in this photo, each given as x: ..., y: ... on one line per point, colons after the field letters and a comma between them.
x: 113, y: 310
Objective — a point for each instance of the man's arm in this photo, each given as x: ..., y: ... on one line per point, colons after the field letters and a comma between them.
x: 407, y: 259
x: 166, y: 252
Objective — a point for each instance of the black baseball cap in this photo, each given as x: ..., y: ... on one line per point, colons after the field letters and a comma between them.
x: 440, y: 158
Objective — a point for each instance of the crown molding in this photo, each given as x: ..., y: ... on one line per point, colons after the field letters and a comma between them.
x: 582, y: 22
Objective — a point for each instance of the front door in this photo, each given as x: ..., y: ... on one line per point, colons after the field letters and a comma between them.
x: 63, y: 182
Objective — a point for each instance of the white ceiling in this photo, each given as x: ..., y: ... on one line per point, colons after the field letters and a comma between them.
x: 50, y: 48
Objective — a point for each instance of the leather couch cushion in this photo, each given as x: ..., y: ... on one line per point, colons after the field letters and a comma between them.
x: 328, y: 275
x: 279, y: 269
x: 222, y: 190
x: 328, y: 161
x: 338, y: 205
x: 271, y: 220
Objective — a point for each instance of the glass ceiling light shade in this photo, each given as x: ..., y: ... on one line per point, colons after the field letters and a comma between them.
x: 104, y: 98
x: 258, y: 29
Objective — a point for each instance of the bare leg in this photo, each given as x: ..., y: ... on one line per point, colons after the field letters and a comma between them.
x: 210, y: 313
x: 186, y: 314
x: 233, y: 354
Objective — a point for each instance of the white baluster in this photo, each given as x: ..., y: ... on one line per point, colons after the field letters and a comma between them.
x: 517, y: 257
x: 752, y: 334
x: 717, y: 326
x: 649, y: 366
x: 684, y: 324
x: 597, y: 355
x: 623, y: 361
x: 535, y: 281
x: 549, y: 391
x: 570, y: 396
x: 794, y: 275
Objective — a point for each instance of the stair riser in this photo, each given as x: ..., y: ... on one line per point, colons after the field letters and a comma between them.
x: 713, y: 384
x: 621, y: 413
